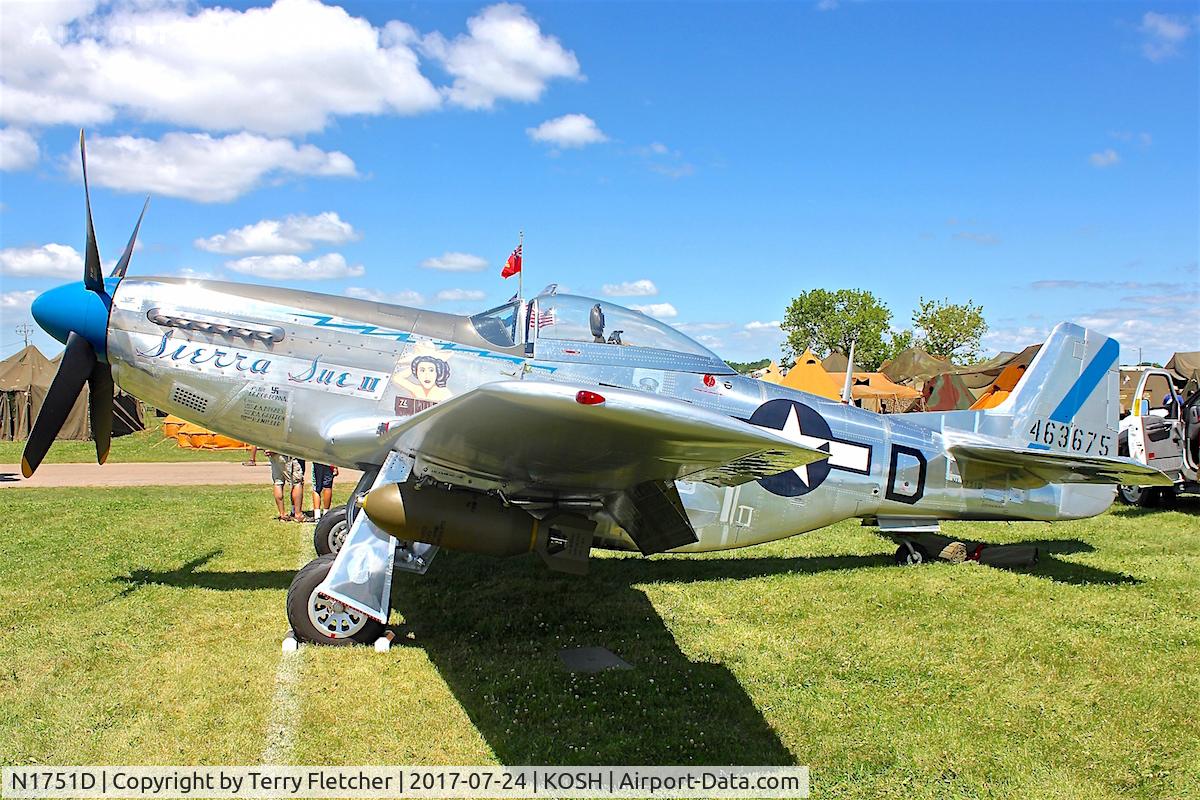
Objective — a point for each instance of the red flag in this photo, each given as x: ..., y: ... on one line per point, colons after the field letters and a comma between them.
x: 513, y: 265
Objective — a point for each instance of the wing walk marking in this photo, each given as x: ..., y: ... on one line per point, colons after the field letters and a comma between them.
x: 1087, y: 381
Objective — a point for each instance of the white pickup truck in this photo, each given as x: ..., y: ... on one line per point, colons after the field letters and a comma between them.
x: 1160, y: 427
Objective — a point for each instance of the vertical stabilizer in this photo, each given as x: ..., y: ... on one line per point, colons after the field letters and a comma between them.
x: 1067, y: 399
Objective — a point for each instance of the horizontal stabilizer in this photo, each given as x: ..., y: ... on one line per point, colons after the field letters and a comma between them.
x: 1000, y: 466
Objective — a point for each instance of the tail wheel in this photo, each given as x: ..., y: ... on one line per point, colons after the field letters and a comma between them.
x: 331, y: 531
x: 1131, y: 495
x: 911, y: 554
x: 322, y: 620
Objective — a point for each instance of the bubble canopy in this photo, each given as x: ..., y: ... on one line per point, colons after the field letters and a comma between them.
x: 582, y: 319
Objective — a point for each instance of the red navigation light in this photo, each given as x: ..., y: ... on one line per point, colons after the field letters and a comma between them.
x: 586, y: 398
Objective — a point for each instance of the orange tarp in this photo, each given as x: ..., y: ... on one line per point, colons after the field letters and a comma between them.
x: 190, y: 435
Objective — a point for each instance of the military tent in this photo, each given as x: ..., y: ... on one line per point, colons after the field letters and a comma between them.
x: 985, y: 373
x: 914, y: 366
x: 946, y: 392
x: 874, y: 392
x: 770, y: 373
x: 1185, y: 365
x: 808, y: 376
x: 835, y: 362
x: 25, y: 379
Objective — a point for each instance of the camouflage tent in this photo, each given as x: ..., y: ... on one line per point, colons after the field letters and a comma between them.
x: 983, y: 374
x: 946, y: 392
x: 915, y: 366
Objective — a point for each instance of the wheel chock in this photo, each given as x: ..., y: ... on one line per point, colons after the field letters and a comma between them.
x: 384, y: 643
x: 290, y: 645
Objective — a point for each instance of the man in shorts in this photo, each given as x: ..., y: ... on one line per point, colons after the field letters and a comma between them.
x: 288, y: 472
x: 322, y: 489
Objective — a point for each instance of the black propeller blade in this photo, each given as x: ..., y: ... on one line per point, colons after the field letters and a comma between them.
x: 123, y: 263
x: 93, y: 276
x: 77, y: 364
x: 100, y: 407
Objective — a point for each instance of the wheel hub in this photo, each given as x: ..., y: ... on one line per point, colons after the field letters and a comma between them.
x: 334, y: 618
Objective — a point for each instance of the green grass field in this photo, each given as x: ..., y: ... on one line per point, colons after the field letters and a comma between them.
x: 143, y: 626
x: 147, y: 445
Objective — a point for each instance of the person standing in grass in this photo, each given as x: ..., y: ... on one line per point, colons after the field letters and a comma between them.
x: 322, y: 489
x: 288, y: 472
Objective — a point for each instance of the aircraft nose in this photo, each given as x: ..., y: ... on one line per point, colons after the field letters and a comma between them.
x: 72, y: 308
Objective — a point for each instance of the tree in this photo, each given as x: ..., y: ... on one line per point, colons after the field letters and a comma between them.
x: 829, y: 321
x: 899, y: 342
x: 746, y: 367
x: 951, y: 330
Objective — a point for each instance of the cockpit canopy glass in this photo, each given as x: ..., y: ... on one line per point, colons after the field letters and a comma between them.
x: 498, y: 325
x: 581, y: 319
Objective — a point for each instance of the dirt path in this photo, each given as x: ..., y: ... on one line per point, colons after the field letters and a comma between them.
x: 190, y: 473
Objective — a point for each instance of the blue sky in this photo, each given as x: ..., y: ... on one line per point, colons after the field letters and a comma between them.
x: 707, y: 161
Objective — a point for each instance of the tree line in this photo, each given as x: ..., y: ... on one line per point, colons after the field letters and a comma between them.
x: 829, y: 321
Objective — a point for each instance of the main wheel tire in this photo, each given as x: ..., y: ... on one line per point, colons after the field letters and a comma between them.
x: 911, y: 558
x: 1130, y: 495
x: 331, y: 532
x: 318, y: 619
x: 1151, y: 497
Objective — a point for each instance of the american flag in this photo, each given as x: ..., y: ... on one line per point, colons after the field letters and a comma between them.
x: 545, y: 318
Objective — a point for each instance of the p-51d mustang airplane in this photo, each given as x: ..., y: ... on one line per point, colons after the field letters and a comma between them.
x: 559, y: 424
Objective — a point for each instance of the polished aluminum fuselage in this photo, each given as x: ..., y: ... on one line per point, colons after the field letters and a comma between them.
x: 307, y: 374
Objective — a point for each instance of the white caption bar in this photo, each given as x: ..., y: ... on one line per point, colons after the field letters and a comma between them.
x: 401, y: 781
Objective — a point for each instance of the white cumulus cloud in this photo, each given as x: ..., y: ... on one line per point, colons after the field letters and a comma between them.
x: 449, y: 295
x: 639, y: 288
x: 16, y: 301
x: 286, y: 68
x: 455, y: 262
x: 46, y: 261
x: 1104, y: 158
x: 293, y: 234
x: 503, y: 56
x: 18, y: 150
x: 204, y: 168
x: 659, y: 310
x: 1163, y: 35
x: 294, y: 268
x: 568, y: 131
x: 757, y: 325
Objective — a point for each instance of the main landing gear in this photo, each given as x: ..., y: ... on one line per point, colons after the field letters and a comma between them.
x: 318, y: 619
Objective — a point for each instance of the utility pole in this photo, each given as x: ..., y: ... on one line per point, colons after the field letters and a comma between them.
x: 24, y: 329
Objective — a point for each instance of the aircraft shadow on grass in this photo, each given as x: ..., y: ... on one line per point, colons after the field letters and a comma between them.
x: 493, y: 630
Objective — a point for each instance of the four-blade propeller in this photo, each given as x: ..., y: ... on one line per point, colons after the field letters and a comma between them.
x: 81, y: 363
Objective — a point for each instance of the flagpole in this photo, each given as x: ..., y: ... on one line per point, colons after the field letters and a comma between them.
x: 521, y: 274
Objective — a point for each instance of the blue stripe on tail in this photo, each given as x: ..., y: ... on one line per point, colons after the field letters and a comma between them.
x: 1087, y: 382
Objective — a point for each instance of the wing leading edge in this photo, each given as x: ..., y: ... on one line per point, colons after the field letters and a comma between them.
x: 543, y: 437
